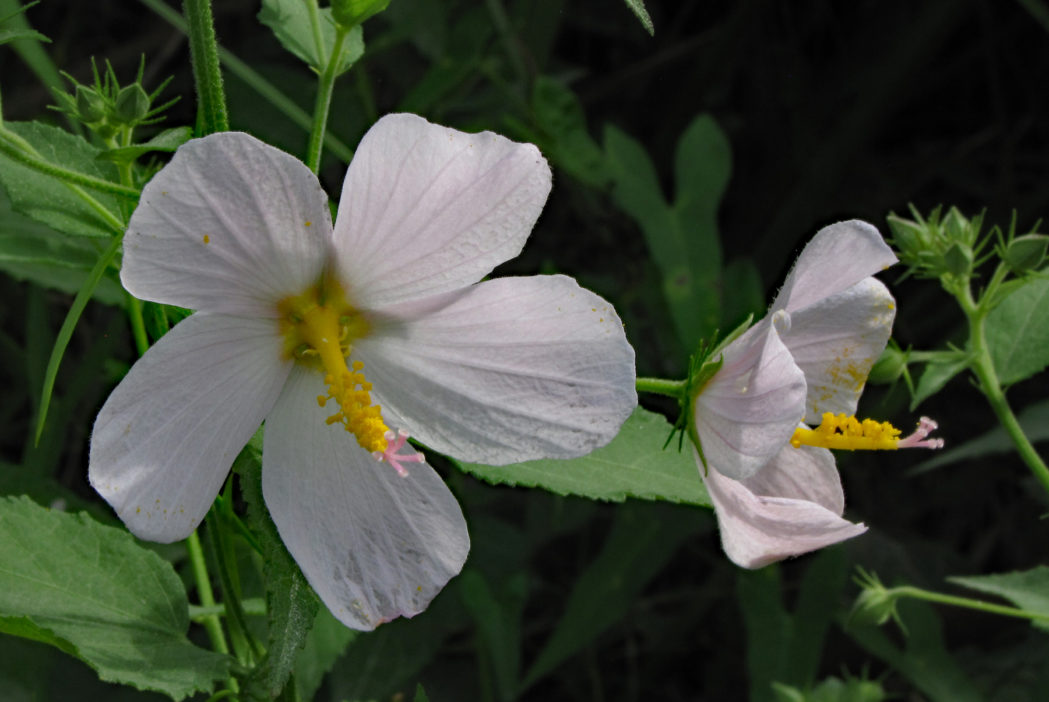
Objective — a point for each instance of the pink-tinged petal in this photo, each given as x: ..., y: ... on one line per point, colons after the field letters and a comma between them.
x: 509, y: 370
x: 166, y: 437
x: 751, y: 407
x: 231, y: 225
x: 373, y: 544
x: 757, y: 530
x: 426, y: 209
x: 836, y: 341
x: 806, y: 473
x: 838, y: 257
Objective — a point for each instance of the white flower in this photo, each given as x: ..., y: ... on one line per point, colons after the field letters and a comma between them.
x: 774, y: 485
x: 338, y: 337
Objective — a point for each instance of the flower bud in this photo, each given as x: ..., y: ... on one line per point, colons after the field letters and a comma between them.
x: 958, y: 259
x: 875, y: 605
x: 350, y: 13
x: 957, y: 228
x: 890, y: 366
x: 90, y: 106
x: 132, y: 104
x: 1025, y: 253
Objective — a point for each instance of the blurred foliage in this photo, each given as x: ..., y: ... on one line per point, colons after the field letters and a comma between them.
x: 730, y: 135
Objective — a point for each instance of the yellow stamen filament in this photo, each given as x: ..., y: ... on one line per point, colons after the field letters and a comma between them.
x: 841, y: 431
x: 315, y: 330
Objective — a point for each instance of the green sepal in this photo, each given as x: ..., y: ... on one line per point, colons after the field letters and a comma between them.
x: 350, y: 13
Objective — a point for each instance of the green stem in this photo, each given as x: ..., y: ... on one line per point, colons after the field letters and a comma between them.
x: 212, y: 624
x: 983, y: 367
x: 247, y: 650
x: 967, y: 602
x: 32, y: 160
x: 315, y: 27
x: 320, y: 109
x: 253, y: 606
x: 207, y: 74
x: 660, y: 386
x: 138, y: 324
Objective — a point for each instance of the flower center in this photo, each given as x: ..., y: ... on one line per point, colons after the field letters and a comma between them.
x: 840, y: 431
x: 319, y: 328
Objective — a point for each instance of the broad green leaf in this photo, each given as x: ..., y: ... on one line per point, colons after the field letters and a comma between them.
x: 290, y: 22
x: 37, y: 253
x: 634, y: 464
x: 420, y: 694
x: 497, y: 617
x: 1034, y: 420
x: 1018, y: 332
x: 91, y: 591
x: 934, y: 377
x: 643, y: 539
x: 48, y: 199
x: 1027, y: 589
x: 638, y: 8
x: 291, y: 604
x: 168, y: 140
x: 564, y: 135
x: 924, y: 659
x: 325, y: 643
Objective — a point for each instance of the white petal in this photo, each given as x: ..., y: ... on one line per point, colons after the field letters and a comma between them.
x: 751, y: 407
x: 509, y: 370
x: 836, y: 342
x: 167, y: 436
x: 838, y: 257
x: 758, y: 530
x: 805, y: 473
x: 231, y: 225
x: 426, y: 209
x: 373, y: 545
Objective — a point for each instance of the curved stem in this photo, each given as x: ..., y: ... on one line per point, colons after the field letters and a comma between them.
x: 983, y: 367
x: 967, y: 602
x: 320, y: 109
x: 32, y: 160
x: 660, y: 386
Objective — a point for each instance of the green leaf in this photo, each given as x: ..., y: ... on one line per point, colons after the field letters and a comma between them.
x: 48, y: 199
x: 643, y: 539
x: 1027, y: 589
x: 291, y: 604
x: 633, y: 464
x: 565, y: 138
x: 325, y: 643
x: 1018, y: 332
x: 290, y: 22
x: 638, y: 8
x: 420, y: 694
x: 93, y: 592
x: 497, y: 616
x: 168, y: 140
x: 9, y: 35
x: 1034, y: 420
x: 934, y: 377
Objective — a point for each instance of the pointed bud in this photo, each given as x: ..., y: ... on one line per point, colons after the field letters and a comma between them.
x: 958, y: 259
x: 90, y: 107
x: 1025, y: 253
x: 890, y: 366
x: 132, y: 104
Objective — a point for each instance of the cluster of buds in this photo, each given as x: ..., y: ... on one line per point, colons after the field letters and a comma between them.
x: 109, y: 109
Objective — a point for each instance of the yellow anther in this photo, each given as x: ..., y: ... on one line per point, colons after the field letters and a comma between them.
x: 320, y: 325
x: 841, y: 431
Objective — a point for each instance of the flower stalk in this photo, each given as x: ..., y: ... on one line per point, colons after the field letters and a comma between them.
x: 325, y: 87
x: 203, y: 50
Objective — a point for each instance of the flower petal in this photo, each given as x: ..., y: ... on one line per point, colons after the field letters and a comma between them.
x: 838, y: 257
x: 836, y: 341
x: 805, y: 473
x: 231, y: 225
x: 427, y: 209
x: 509, y: 370
x: 758, y: 530
x: 373, y: 545
x: 167, y: 436
x: 751, y: 407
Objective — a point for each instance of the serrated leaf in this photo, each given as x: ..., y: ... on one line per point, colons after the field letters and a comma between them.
x: 93, y: 592
x: 643, y: 539
x: 1018, y: 332
x: 49, y: 200
x: 1027, y: 589
x: 633, y: 464
x: 638, y: 8
x: 325, y: 643
x: 290, y: 22
x: 934, y: 377
x: 168, y: 140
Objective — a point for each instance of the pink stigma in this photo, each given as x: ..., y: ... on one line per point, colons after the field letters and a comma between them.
x: 918, y: 439
x: 390, y: 455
